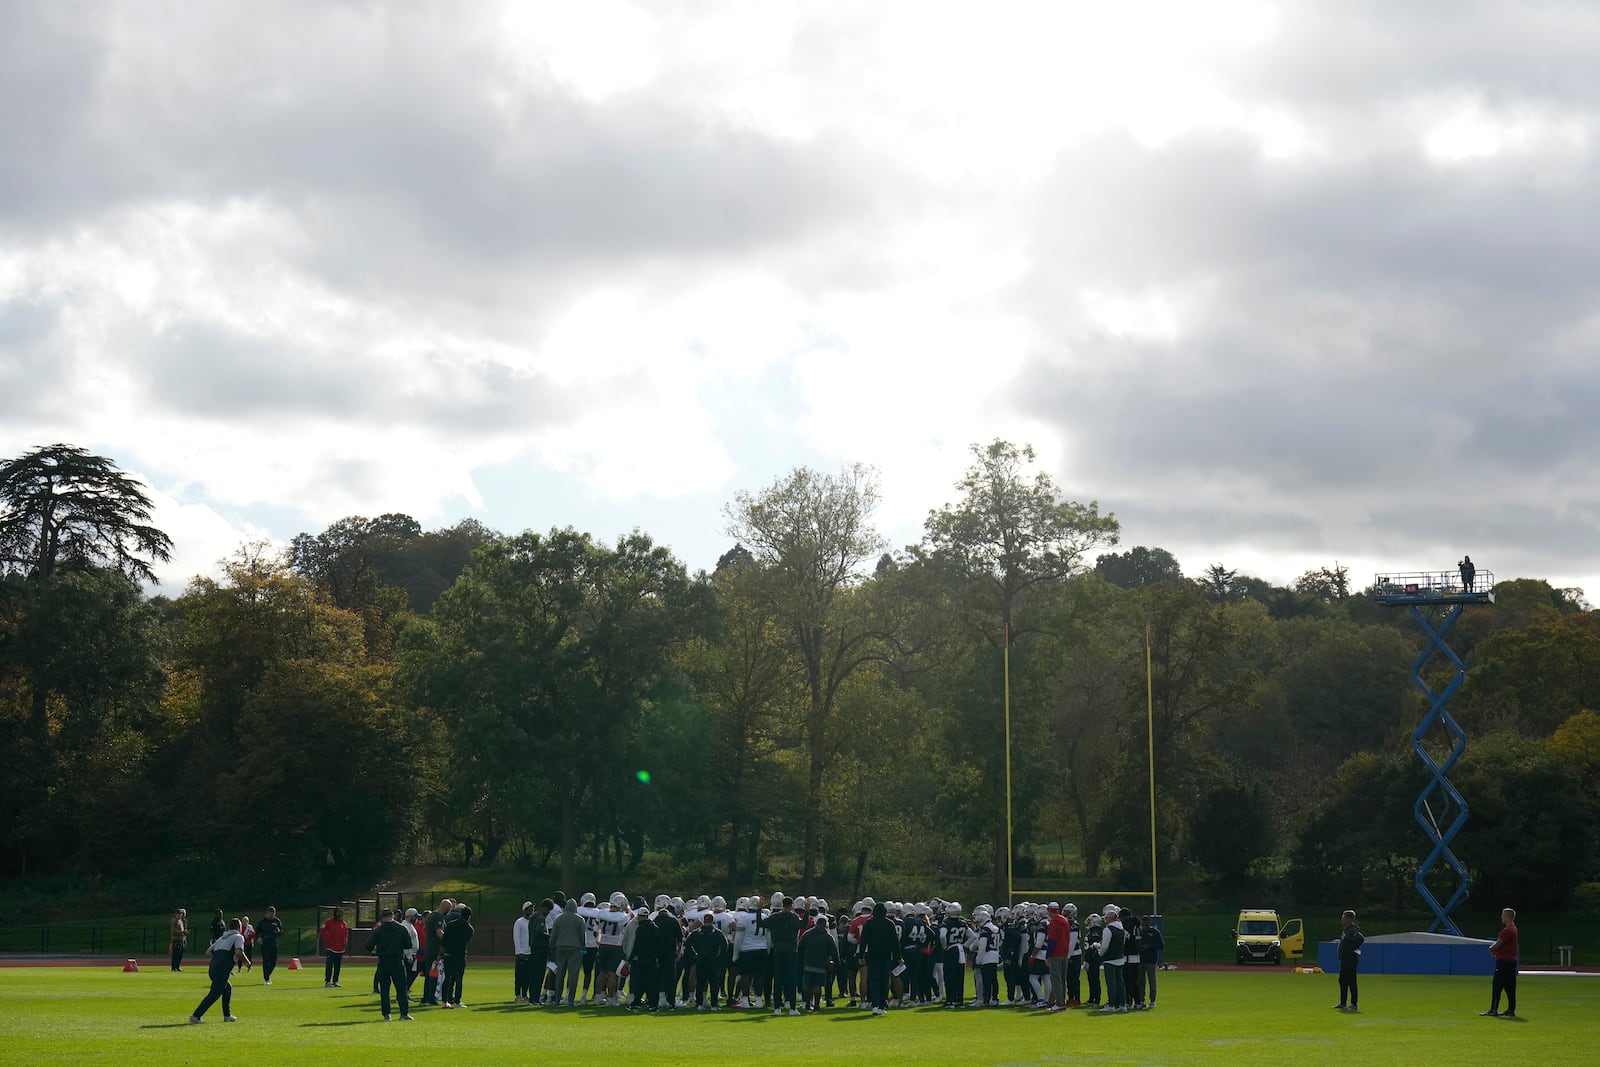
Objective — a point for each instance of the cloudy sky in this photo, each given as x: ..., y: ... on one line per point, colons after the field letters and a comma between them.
x: 1279, y: 284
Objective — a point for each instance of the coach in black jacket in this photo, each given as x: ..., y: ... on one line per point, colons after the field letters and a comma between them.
x: 390, y: 942
x: 880, y: 944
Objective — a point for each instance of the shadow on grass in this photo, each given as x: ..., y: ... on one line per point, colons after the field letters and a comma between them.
x: 347, y: 1022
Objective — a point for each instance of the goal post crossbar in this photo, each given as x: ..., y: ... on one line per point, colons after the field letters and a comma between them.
x: 1015, y: 893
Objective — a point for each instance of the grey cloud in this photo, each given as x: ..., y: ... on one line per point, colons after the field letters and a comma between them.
x: 376, y: 132
x: 50, y: 70
x: 1378, y: 339
x: 1218, y: 523
x: 1356, y: 53
x: 1124, y: 214
x: 1500, y: 531
x: 35, y: 379
x: 207, y: 370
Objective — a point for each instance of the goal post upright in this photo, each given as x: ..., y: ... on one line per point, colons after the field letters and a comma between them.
x: 1150, y: 742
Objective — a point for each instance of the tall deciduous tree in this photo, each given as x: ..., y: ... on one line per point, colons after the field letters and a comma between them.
x: 294, y: 736
x: 1204, y: 668
x: 748, y: 679
x: 1009, y: 536
x: 344, y: 559
x: 61, y: 505
x: 1331, y: 585
x: 346, y: 562
x: 542, y: 659
x: 1531, y: 681
x: 810, y: 535
x: 87, y: 650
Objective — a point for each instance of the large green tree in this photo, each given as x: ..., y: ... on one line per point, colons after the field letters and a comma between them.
x: 346, y: 563
x: 293, y: 735
x: 543, y: 660
x: 1204, y: 670
x: 84, y: 650
x: 63, y: 506
x: 810, y: 536
x: 1362, y: 843
x: 1006, y: 541
x: 749, y: 681
x: 1533, y: 680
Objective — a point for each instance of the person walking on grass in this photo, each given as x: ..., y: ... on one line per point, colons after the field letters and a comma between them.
x: 226, y: 950
x: 1504, y: 950
x: 1349, y: 959
x: 267, y: 934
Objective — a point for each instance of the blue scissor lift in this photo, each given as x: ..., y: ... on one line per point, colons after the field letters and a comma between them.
x: 1443, y: 590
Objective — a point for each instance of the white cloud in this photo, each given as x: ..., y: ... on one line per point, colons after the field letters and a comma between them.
x: 202, y: 538
x: 1203, y: 257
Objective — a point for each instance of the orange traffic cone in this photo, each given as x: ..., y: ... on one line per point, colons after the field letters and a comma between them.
x: 294, y: 963
x: 131, y: 965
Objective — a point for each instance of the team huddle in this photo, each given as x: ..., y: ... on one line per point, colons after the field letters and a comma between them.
x: 794, y: 955
x: 790, y: 954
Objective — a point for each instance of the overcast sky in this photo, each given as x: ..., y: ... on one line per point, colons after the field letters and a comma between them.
x: 1280, y: 284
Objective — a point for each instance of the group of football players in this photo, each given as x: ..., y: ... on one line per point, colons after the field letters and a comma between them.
x: 798, y: 955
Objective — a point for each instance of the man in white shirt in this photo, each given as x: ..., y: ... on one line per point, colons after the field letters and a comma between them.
x: 523, y: 952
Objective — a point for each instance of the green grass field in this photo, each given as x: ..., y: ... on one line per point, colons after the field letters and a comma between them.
x: 76, y: 1015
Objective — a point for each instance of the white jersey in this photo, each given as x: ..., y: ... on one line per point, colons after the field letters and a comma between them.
x: 752, y: 935
x: 608, y: 926
x: 984, y: 945
x: 519, y: 936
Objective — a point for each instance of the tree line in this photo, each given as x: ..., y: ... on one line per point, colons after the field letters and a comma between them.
x: 380, y: 692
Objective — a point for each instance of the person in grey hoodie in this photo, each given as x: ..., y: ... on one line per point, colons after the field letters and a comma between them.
x: 567, y: 938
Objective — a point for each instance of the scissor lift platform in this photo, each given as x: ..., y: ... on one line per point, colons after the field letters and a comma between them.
x: 1432, y: 587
